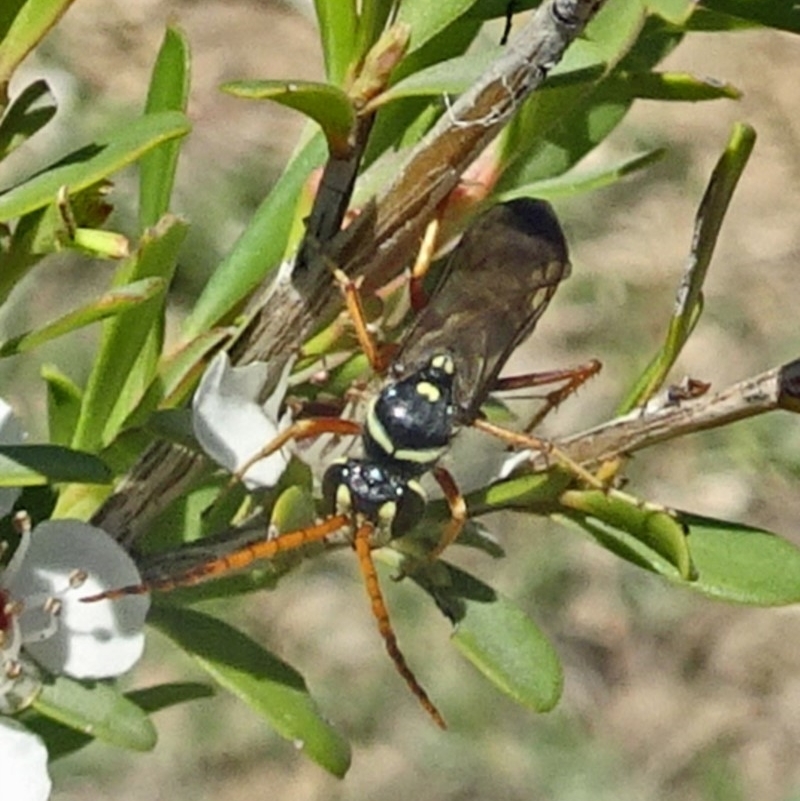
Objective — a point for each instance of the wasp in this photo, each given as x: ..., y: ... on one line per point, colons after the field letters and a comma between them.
x: 495, y: 286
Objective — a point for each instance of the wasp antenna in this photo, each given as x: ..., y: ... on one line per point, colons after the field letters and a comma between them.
x: 367, y: 565
x: 120, y: 592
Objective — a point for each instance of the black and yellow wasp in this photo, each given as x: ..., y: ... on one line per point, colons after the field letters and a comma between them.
x: 494, y: 288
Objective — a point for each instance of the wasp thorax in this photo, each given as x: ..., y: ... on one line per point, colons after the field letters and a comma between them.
x: 412, y: 420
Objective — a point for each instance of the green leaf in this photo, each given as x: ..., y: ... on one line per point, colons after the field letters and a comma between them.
x: 23, y: 24
x: 708, y: 223
x: 456, y: 75
x: 533, y: 492
x: 169, y: 91
x: 62, y: 740
x: 32, y: 465
x: 337, y: 24
x: 674, y: 11
x: 63, y: 404
x: 554, y: 130
x: 327, y: 105
x: 618, y: 516
x: 782, y: 14
x: 743, y: 564
x: 89, y: 165
x: 575, y: 182
x: 178, y: 374
x: 99, y: 710
x: 497, y: 637
x: 672, y: 86
x: 31, y: 110
x: 271, y: 687
x: 428, y: 19
x: 45, y: 231
x: 119, y: 376
x: 403, y: 123
x: 259, y: 249
x: 111, y: 303
x: 705, y: 20
x: 163, y: 696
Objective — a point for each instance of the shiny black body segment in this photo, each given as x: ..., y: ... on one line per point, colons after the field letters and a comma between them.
x: 496, y: 284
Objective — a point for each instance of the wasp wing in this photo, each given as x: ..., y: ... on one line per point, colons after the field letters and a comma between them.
x: 495, y: 286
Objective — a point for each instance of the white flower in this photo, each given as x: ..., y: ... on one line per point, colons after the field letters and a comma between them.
x: 44, y: 622
x: 56, y: 565
x: 23, y: 763
x: 232, y: 426
x: 11, y: 433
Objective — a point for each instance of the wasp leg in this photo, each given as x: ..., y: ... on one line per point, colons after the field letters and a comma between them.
x: 236, y: 560
x: 573, y: 377
x: 524, y: 440
x: 427, y: 249
x: 458, y: 511
x: 300, y: 429
x: 378, y: 357
x: 363, y: 549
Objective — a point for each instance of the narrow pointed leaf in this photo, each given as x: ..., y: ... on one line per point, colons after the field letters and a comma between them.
x: 32, y: 465
x: 456, y: 75
x: 63, y: 405
x: 30, y: 111
x: 577, y: 182
x: 119, y: 376
x: 324, y: 103
x: 427, y: 19
x: 99, y: 710
x: 783, y: 14
x: 673, y: 86
x: 271, y: 687
x: 114, y: 302
x: 169, y: 91
x: 337, y: 24
x: 22, y: 26
x: 92, y: 163
x: 688, y: 305
x: 178, y: 374
x: 259, y: 249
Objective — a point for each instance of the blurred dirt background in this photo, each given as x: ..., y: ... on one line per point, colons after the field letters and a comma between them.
x: 668, y: 695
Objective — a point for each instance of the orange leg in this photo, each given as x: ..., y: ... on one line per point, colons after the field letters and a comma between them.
x: 524, y: 440
x: 427, y: 249
x: 300, y: 429
x: 458, y: 511
x: 378, y: 360
x: 363, y: 548
x: 573, y: 377
x: 236, y: 560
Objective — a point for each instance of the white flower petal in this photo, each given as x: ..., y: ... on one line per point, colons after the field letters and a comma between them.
x: 93, y: 640
x: 512, y: 462
x: 232, y: 426
x: 23, y: 763
x: 11, y: 433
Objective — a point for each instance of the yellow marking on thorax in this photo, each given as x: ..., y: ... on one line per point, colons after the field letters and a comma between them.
x: 429, y: 391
